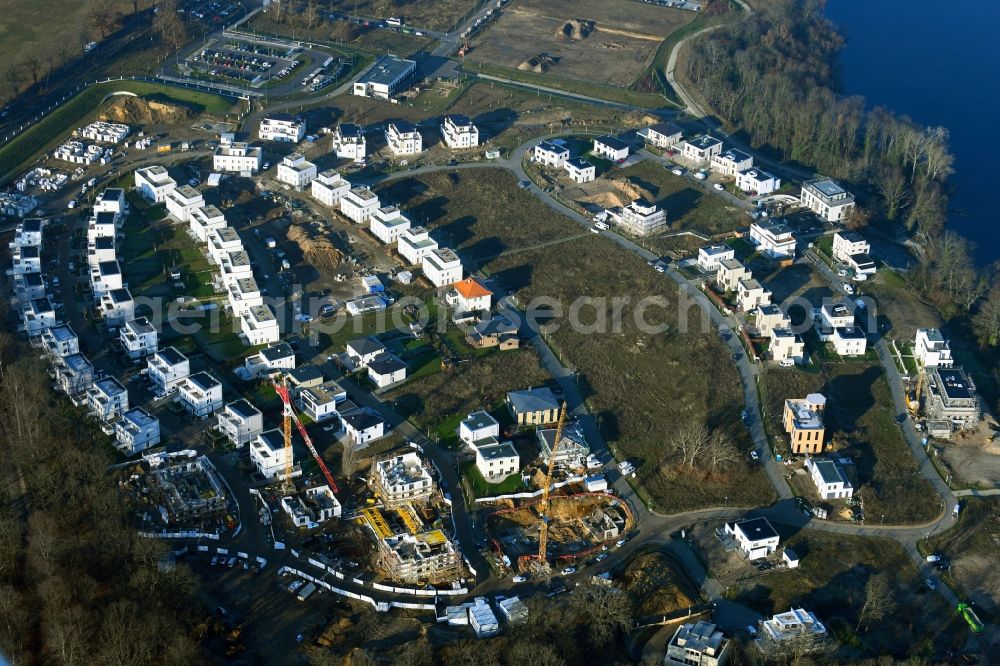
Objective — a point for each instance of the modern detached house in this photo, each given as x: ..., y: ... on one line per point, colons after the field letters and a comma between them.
x: 755, y: 537
x: 459, y: 132
x: 827, y: 199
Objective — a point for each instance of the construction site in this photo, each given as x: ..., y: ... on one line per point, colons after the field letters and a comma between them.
x: 575, y: 525
x: 177, y: 495
x: 408, y: 520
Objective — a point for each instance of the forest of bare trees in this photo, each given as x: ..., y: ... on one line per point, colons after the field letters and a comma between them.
x: 77, y: 585
x: 771, y: 76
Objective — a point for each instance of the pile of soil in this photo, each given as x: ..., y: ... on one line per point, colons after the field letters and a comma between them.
x: 137, y: 111
x: 575, y: 29
x: 623, y: 192
x: 654, y: 586
x: 538, y: 64
x: 317, y: 250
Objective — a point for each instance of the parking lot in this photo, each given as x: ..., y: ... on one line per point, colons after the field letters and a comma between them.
x: 244, y: 62
x: 212, y: 13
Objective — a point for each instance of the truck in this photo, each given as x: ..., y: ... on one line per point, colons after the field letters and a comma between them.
x: 306, y: 591
x: 90, y: 47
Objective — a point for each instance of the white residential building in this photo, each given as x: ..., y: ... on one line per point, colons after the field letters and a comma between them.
x: 37, y: 316
x: 200, y: 394
x: 496, y: 460
x: 827, y: 199
x: 388, y: 223
x: 478, y: 426
x: 710, y: 257
x: 243, y: 295
x: 580, y: 170
x: 849, y: 341
x: 773, y: 238
x: 846, y: 243
x: 792, y: 625
x: 329, y: 187
x: 282, y: 128
x: 74, y: 374
x: 358, y: 204
x: 311, y: 508
x: 348, y: 142
x: 730, y: 162
x: 240, y: 422
x: 786, y: 346
x: 551, y: 154
x: 769, y: 317
x: 751, y: 294
x: 830, y: 480
x: 320, y: 402
x: 100, y: 250
x: 139, y: 338
x: 415, y: 243
x: 697, y: 644
x: 386, y: 369
x: 107, y: 399
x: 60, y: 341
x: 235, y: 266
x: 117, y: 307
x: 442, y: 267
x: 662, y: 135
x: 206, y: 219
x: 182, y: 202
x: 364, y: 350
x: 27, y: 232
x: 260, y: 326
x: 931, y: 349
x: 757, y: 181
x: 112, y: 200
x: 270, y: 360
x: 640, y: 218
x: 102, y: 225
x: 154, y: 183
x: 611, y: 148
x: 459, y: 132
x: 167, y: 368
x: 363, y: 427
x: 831, y: 316
x: 223, y: 241
x: 136, y: 431
x: 28, y: 286
x: 701, y: 148
x: 469, y: 295
x: 403, y: 138
x: 269, y: 456
x: 105, y: 277
x: 237, y: 157
x: 296, y: 171
x: 388, y: 76
x: 26, y: 259
x: 755, y: 537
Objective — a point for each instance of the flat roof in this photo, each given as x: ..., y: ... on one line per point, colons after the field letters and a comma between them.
x: 120, y: 295
x: 478, y: 420
x: 851, y: 236
x: 204, y: 381
x: 140, y: 417
x: 171, y: 356
x: 829, y: 471
x: 387, y: 70
x: 955, y: 384
x: 579, y: 163
x: 552, y: 147
x: 850, y: 333
x: 757, y: 529
x: 827, y: 187
x: 243, y: 408
x: 62, y: 333
x: 349, y: 130
x: 735, y: 155
x: 459, y: 120
x: 704, y: 141
x: 713, y: 250
x: 403, y: 126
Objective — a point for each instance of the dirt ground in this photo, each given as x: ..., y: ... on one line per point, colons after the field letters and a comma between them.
x: 430, y: 14
x: 971, y: 461
x: 655, y: 586
x: 793, y: 284
x: 589, y: 40
x: 971, y: 548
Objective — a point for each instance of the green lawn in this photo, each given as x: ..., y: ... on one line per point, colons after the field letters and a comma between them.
x: 482, y: 488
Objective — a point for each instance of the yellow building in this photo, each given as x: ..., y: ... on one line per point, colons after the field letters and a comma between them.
x: 803, y: 421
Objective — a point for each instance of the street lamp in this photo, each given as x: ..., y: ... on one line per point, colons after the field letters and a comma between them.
x: 727, y: 501
x: 882, y: 522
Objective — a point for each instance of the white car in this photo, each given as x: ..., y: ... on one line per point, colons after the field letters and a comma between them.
x: 841, y: 273
x: 786, y: 363
x: 677, y: 171
x: 718, y: 186
x: 519, y: 579
x: 933, y: 558
x: 700, y: 176
x: 568, y: 571
x: 595, y: 230
x: 848, y: 289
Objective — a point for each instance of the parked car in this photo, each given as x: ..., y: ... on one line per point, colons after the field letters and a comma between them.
x: 933, y: 558
x: 786, y: 363
x: 519, y: 579
x: 848, y: 289
x: 568, y: 571
x: 677, y: 171
x: 718, y: 186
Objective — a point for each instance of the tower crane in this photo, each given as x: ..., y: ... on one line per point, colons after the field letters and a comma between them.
x: 543, y: 506
x: 289, y: 415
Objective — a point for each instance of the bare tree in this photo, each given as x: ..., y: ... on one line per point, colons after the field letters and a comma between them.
x: 103, y: 17
x: 880, y: 600
x: 987, y: 320
x: 721, y: 451
x: 690, y: 441
x: 891, y: 185
x: 169, y: 25
x: 615, y: 611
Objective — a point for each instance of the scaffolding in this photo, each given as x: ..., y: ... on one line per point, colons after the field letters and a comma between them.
x: 409, y: 518
x: 377, y: 522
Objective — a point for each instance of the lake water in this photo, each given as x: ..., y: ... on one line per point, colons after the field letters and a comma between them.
x: 939, y: 63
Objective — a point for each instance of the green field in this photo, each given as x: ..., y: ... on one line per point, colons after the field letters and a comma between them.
x: 44, y: 134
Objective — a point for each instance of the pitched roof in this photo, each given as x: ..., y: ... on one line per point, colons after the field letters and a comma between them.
x: 471, y: 288
x: 365, y: 346
x: 532, y: 400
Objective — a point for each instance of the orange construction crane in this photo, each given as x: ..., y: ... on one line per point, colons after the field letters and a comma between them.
x: 289, y: 414
x: 543, y: 506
